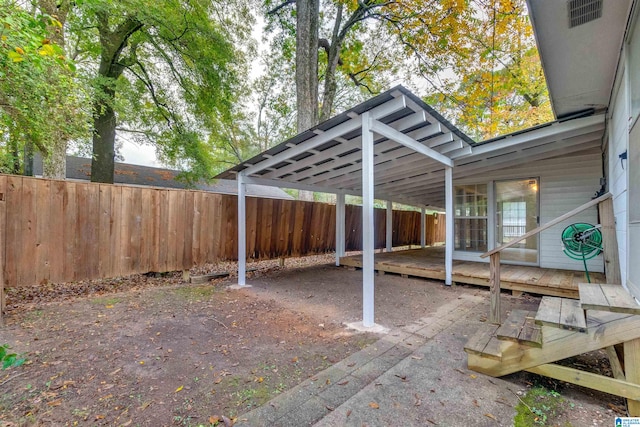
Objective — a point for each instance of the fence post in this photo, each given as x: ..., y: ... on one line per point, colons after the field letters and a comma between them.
x: 242, y: 231
x: 389, y: 226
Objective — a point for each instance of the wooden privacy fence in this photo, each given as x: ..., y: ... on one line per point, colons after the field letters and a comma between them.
x: 59, y: 231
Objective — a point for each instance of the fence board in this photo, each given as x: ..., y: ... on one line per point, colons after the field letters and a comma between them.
x: 69, y: 214
x: 104, y: 231
x: 43, y: 189
x: 188, y: 231
x: 154, y: 237
x: 163, y: 231
x: 92, y: 237
x: 146, y: 231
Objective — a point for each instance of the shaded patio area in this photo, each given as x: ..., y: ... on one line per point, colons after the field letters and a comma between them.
x: 429, y: 263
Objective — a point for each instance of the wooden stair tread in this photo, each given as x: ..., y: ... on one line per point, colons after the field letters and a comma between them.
x: 520, y: 327
x: 484, y: 342
x: 561, y: 313
x: 603, y: 297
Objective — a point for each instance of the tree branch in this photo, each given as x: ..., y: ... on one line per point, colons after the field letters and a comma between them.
x: 282, y: 5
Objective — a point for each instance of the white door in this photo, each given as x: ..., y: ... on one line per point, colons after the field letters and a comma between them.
x: 516, y: 214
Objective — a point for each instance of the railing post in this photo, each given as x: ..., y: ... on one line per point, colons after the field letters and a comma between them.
x: 494, y: 281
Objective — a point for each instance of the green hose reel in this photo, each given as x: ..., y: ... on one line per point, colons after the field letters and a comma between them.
x: 582, y: 241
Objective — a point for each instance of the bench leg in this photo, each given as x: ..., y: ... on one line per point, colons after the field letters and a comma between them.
x: 632, y: 372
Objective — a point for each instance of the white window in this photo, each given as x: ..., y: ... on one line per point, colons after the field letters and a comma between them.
x: 470, y: 206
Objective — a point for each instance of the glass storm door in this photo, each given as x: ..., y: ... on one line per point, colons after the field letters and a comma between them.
x: 517, y: 214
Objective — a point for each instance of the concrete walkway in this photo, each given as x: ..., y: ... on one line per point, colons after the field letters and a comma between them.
x: 414, y: 376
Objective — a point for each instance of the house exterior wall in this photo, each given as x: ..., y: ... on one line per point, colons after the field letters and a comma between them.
x: 629, y: 125
x: 565, y: 183
x: 618, y: 140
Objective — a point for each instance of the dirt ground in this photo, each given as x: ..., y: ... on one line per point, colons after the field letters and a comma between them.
x: 152, y: 351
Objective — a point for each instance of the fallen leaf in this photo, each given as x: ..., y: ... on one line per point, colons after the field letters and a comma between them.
x: 345, y: 382
x: 328, y: 381
x: 348, y: 412
x: 351, y: 365
x: 374, y: 405
x: 99, y: 417
x: 145, y: 405
x: 56, y: 402
x: 214, y: 419
x: 179, y: 388
x: 218, y: 381
x: 475, y: 403
x: 402, y: 377
x: 329, y: 407
x: 416, y: 357
x: 418, y: 401
x: 259, y: 379
x: 227, y: 422
x: 473, y: 377
x: 294, y: 360
x: 108, y: 306
x: 491, y: 416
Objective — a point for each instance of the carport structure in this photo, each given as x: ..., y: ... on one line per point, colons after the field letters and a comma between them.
x: 392, y: 147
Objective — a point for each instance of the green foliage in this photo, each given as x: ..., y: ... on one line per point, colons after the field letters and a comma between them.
x: 178, y: 73
x: 40, y: 100
x: 10, y: 360
x: 538, y: 407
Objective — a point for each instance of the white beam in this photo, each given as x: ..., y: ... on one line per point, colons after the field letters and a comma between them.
x: 368, y: 232
x: 448, y: 253
x: 389, y: 226
x: 282, y: 183
x: 242, y: 231
x: 403, y: 139
x: 383, y: 110
x: 550, y: 133
x: 340, y: 227
x: 423, y: 227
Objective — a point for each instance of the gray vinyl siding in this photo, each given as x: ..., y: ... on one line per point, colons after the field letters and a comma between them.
x: 565, y: 183
x: 616, y: 175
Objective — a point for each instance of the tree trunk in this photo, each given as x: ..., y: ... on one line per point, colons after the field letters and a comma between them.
x: 307, y: 17
x: 54, y: 163
x: 28, y: 159
x: 307, y: 63
x: 104, y: 138
x: 112, y: 43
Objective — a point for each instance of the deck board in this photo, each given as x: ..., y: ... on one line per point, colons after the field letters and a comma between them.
x: 429, y: 263
x: 607, y: 298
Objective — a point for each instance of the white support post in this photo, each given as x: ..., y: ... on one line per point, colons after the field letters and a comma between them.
x: 448, y: 253
x: 389, y: 226
x: 242, y: 231
x: 368, y: 319
x: 340, y: 227
x: 423, y: 227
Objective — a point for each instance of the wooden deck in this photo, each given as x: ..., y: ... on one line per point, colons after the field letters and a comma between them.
x: 429, y: 263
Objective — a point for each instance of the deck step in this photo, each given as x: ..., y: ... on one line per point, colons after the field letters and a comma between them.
x: 484, y: 343
x: 613, y: 298
x: 520, y: 327
x: 561, y: 313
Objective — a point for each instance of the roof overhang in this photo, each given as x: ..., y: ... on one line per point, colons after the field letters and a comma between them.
x: 579, y: 63
x: 413, y: 145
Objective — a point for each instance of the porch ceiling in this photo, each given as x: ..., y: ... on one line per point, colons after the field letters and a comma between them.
x: 328, y: 157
